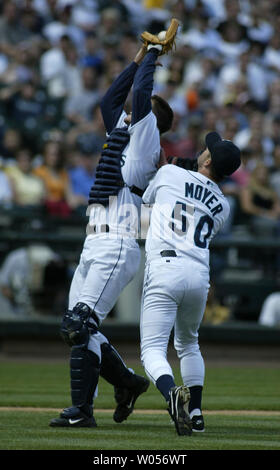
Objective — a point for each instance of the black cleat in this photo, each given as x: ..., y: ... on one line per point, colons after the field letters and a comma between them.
x: 126, y: 398
x: 178, y: 406
x: 198, y: 423
x: 73, y: 417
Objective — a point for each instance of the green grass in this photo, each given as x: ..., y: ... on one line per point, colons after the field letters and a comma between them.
x: 46, y: 385
x: 149, y: 432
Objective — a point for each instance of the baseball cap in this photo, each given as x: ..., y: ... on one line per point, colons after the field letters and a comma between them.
x: 225, y: 155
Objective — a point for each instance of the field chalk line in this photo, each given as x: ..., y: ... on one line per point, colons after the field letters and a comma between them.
x: 150, y: 412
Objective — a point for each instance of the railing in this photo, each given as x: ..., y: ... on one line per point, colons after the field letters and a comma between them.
x: 247, y: 266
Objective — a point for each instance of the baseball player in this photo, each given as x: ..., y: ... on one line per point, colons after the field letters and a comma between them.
x: 111, y: 255
x: 188, y: 210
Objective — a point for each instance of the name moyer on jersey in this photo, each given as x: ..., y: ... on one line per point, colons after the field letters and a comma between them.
x: 200, y: 193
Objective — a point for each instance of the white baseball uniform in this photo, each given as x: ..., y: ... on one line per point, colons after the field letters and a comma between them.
x: 188, y: 210
x: 109, y: 261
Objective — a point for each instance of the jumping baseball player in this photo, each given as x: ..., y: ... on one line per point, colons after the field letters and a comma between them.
x: 111, y: 255
x: 188, y: 210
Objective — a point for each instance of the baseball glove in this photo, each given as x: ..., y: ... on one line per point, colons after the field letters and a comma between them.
x: 166, y: 39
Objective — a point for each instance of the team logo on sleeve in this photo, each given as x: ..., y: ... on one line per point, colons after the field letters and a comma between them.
x: 122, y: 160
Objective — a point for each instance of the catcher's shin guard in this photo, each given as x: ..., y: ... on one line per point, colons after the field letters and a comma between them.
x: 127, y: 385
x: 84, y: 373
x: 113, y: 369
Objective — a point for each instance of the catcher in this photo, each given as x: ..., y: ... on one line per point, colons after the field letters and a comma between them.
x: 111, y: 255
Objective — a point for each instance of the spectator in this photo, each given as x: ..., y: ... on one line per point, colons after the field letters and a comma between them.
x: 62, y: 25
x: 112, y: 24
x: 14, y: 285
x: 255, y: 127
x: 26, y: 106
x: 52, y: 68
x: 11, y: 143
x: 270, y: 311
x: 22, y: 275
x: 89, y: 136
x: 272, y: 53
x: 259, y: 29
x: 57, y: 57
x: 244, y: 67
x: 188, y: 146
x: 200, y: 36
x: 233, y: 41
x: 22, y: 68
x: 275, y: 171
x: 92, y: 56
x: 259, y: 200
x: 6, y: 194
x: 28, y: 189
x: 72, y: 72
x: 82, y: 177
x: 78, y: 107
x: 59, y: 198
x: 274, y: 97
x: 272, y: 135
x: 12, y: 32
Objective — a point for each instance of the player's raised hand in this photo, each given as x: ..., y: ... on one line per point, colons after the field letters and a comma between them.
x: 164, y: 41
x: 140, y: 54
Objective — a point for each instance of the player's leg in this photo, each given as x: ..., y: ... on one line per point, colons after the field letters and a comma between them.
x: 157, y: 320
x: 84, y: 374
x: 128, y: 385
x: 159, y: 309
x: 112, y: 264
x: 76, y: 285
x: 188, y: 320
x: 84, y: 361
x: 109, y: 269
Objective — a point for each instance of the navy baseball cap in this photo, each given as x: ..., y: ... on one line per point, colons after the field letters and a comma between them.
x: 225, y: 155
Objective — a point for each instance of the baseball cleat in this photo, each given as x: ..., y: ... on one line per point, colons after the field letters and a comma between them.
x: 178, y: 410
x: 126, y: 398
x: 73, y: 417
x: 198, y: 423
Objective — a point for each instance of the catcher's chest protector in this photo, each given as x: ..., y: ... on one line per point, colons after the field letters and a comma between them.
x: 109, y: 180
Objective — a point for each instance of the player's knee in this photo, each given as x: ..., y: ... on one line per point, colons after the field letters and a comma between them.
x: 78, y: 324
x: 188, y: 349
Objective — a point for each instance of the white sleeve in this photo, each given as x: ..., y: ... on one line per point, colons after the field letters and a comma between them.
x: 121, y: 119
x: 223, y: 216
x: 145, y: 139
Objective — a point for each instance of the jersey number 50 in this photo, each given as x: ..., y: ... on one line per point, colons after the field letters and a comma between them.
x: 183, y: 216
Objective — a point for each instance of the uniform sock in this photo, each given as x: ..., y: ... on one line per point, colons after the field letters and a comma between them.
x: 195, y: 412
x: 164, y: 384
x: 196, y: 397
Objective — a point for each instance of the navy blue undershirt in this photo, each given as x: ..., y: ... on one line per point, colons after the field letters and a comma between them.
x: 142, y: 78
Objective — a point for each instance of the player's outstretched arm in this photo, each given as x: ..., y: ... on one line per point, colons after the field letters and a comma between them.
x: 140, y: 55
x: 112, y: 103
x: 144, y: 78
x: 143, y: 86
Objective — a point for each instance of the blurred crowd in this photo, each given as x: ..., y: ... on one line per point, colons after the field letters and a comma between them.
x: 58, y: 57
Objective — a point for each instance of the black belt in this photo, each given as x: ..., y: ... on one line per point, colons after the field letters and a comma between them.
x: 168, y: 253
x: 103, y: 228
x: 136, y: 190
